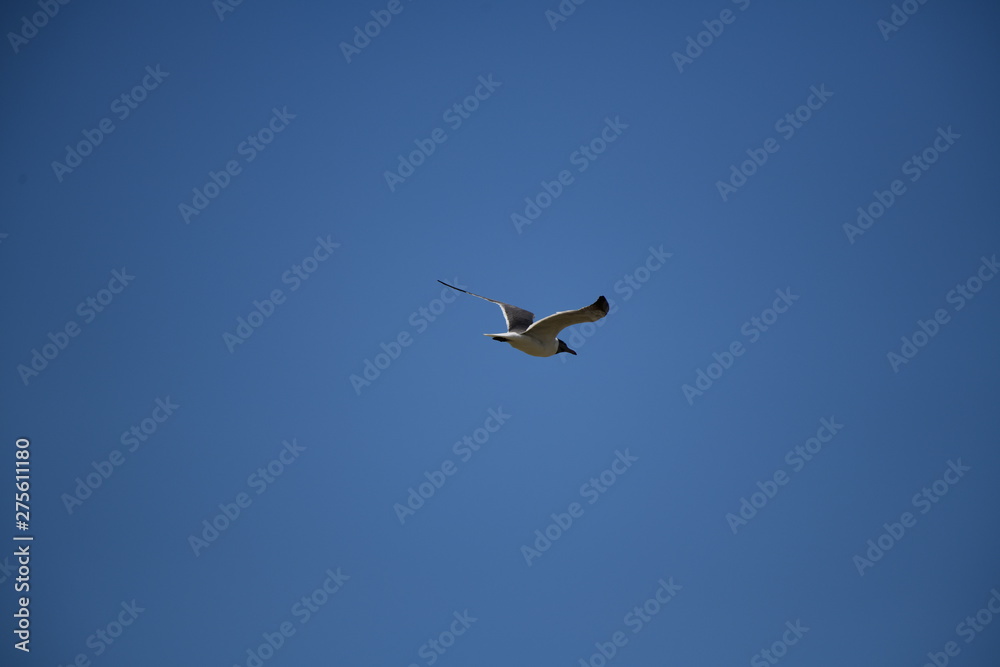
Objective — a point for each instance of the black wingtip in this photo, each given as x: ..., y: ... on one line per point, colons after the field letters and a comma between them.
x: 602, y: 303
x: 451, y: 286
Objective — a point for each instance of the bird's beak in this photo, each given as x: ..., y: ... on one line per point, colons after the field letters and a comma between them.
x: 563, y: 347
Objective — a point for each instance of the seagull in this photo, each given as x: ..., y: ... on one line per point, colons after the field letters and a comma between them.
x: 539, y: 339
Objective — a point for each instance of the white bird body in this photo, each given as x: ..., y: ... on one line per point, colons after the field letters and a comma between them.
x: 529, y: 344
x: 539, y: 338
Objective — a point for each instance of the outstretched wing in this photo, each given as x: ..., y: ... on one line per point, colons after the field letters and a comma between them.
x: 518, y: 319
x: 549, y: 327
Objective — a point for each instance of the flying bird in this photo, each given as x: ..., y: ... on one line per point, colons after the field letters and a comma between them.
x: 539, y: 339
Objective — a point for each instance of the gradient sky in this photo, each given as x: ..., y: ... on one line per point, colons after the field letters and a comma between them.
x: 257, y: 420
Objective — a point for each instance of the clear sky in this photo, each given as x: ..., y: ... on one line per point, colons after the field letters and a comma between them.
x: 261, y: 433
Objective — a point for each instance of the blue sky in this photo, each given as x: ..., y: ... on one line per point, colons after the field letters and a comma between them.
x: 261, y: 433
